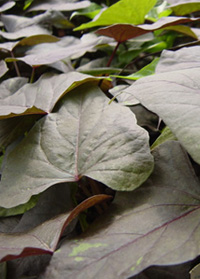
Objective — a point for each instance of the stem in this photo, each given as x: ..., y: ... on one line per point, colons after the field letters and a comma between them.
x: 15, y: 64
x: 32, y: 75
x: 113, y: 54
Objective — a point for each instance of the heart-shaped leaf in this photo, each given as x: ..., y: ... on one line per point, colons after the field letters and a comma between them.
x: 85, y: 137
x: 124, y: 32
x: 124, y: 11
x: 157, y: 224
x: 44, y: 238
x: 174, y: 96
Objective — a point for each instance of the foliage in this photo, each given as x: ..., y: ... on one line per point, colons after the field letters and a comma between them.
x: 99, y: 139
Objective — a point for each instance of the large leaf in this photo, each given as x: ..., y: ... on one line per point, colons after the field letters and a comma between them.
x: 184, y: 58
x: 157, y: 224
x: 124, y: 32
x: 59, y: 5
x: 174, y: 96
x: 42, y: 239
x: 85, y: 137
x: 124, y: 11
x: 67, y: 47
x: 41, y: 96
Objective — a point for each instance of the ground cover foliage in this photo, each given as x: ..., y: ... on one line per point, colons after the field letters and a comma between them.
x: 99, y: 139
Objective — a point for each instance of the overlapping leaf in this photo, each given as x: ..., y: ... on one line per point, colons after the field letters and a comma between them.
x: 41, y: 96
x: 67, y: 47
x: 174, y: 96
x: 42, y: 239
x: 157, y: 224
x: 124, y: 32
x: 85, y: 137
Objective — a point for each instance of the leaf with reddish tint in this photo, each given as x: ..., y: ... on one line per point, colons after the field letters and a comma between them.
x: 84, y: 137
x: 44, y: 238
x: 124, y: 32
x: 157, y: 224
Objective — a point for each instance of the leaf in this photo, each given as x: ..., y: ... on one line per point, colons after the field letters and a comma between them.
x: 67, y: 47
x: 166, y: 135
x: 124, y: 11
x: 3, y: 68
x: 184, y: 58
x: 184, y: 7
x: 7, y: 6
x: 44, y: 238
x: 145, y: 71
x: 174, y: 97
x: 157, y: 224
x: 41, y: 96
x: 20, y: 209
x: 59, y: 5
x: 124, y: 32
x: 85, y: 137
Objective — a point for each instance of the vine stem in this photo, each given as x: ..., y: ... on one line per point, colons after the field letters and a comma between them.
x: 15, y: 64
x: 113, y: 54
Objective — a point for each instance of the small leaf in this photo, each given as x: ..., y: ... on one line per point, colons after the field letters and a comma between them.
x: 85, y: 137
x: 145, y: 71
x: 124, y: 11
x: 166, y: 135
x: 44, y: 238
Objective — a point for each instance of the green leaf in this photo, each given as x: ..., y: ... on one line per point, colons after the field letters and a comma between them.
x: 124, y: 11
x: 184, y: 7
x: 174, y: 96
x: 20, y: 209
x: 145, y: 71
x: 166, y: 135
x: 157, y: 224
x: 85, y: 137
